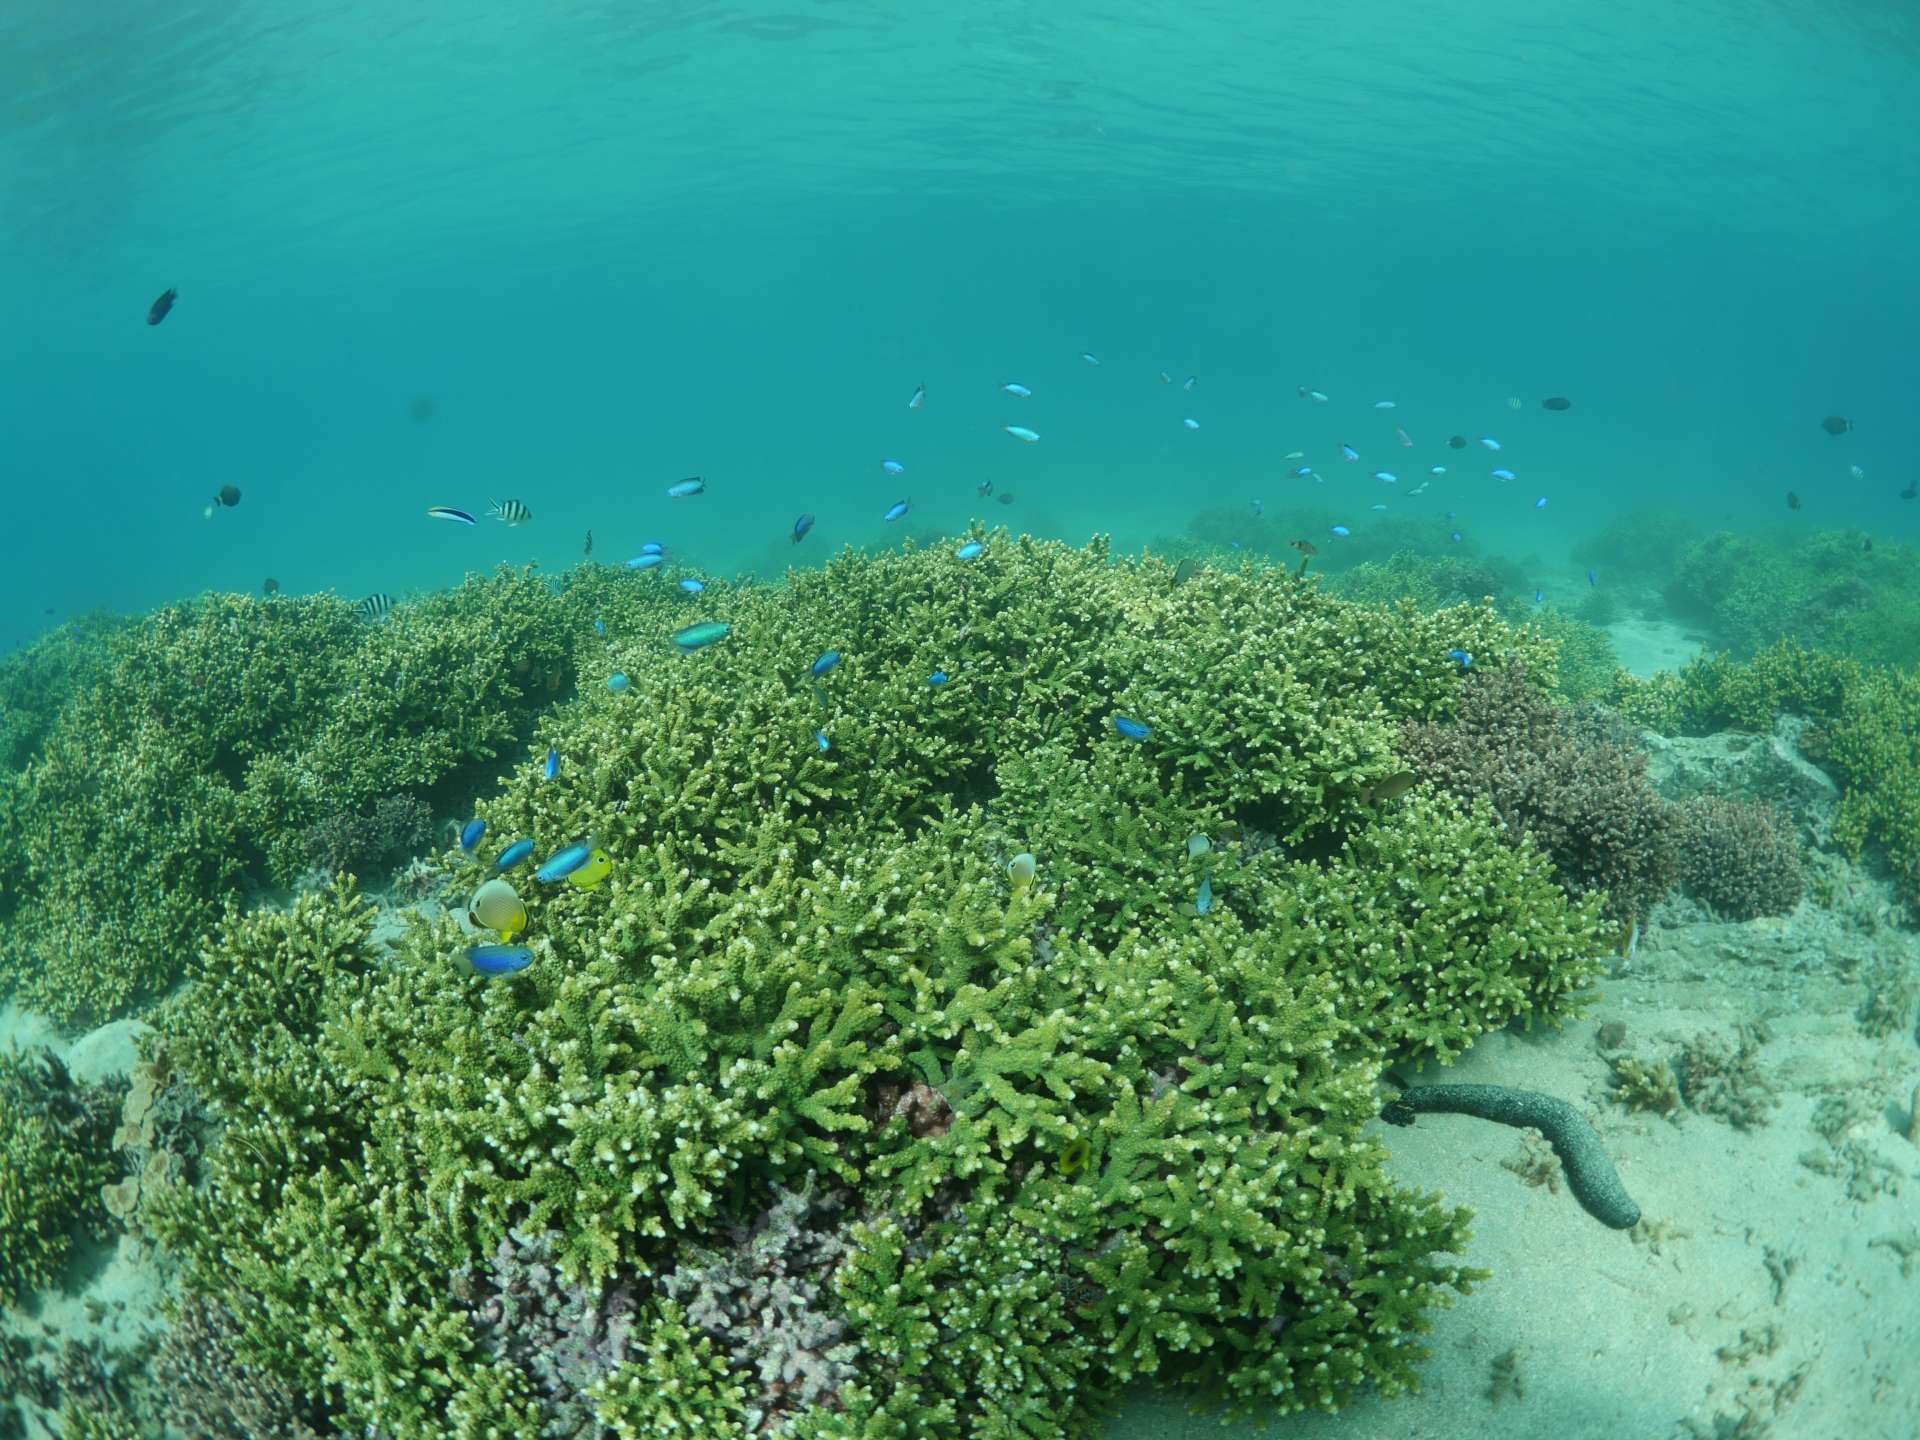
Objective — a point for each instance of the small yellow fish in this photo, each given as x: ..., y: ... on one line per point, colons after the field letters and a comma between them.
x: 599, y: 865
x: 495, y: 906
x: 1074, y: 1156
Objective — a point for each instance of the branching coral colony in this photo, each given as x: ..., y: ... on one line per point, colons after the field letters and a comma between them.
x: 815, y: 1119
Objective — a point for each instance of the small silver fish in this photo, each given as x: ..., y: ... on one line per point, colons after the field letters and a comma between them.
x: 1012, y: 389
x: 1021, y: 432
x: 511, y: 511
x: 919, y: 398
x: 692, y: 485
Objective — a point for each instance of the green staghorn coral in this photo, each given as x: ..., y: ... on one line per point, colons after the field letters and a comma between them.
x: 54, y: 1157
x: 194, y: 765
x: 809, y: 973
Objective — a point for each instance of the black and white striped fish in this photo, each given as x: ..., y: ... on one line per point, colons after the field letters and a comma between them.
x: 511, y: 511
x: 376, y: 605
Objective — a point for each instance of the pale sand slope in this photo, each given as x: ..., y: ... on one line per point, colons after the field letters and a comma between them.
x: 1647, y: 645
x: 1618, y: 1337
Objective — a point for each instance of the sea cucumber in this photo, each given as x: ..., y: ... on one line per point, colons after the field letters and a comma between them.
x: 1590, y: 1174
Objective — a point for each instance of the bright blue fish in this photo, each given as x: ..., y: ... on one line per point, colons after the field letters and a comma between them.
x: 692, y: 485
x: 1191, y: 424
x: 564, y: 863
x: 1203, y: 898
x: 552, y: 767
x: 800, y: 528
x: 1489, y: 442
x: 1541, y: 503
x: 1461, y: 658
x: 645, y: 562
x: 1455, y: 537
x: 893, y: 467
x: 939, y: 677
x: 618, y: 682
x: 653, y: 547
x: 471, y: 832
x: 897, y: 509
x: 1301, y: 472
x: 820, y: 739
x: 599, y: 626
x: 493, y: 961
x: 1538, y: 596
x: 693, y: 586
x: 1338, y: 530
x: 825, y: 663
x: 1131, y: 729
x: 1502, y: 474
x: 969, y: 550
x: 1347, y: 452
x: 1386, y: 477
x: 513, y: 854
x: 1590, y: 578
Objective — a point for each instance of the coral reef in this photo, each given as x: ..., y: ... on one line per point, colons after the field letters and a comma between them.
x: 1742, y: 860
x: 54, y: 1158
x: 1727, y: 1081
x: 1645, y: 1085
x: 1832, y: 590
x: 1863, y: 726
x: 808, y: 1119
x: 759, y: 1300
x: 565, y: 1335
x: 158, y: 1138
x: 37, y: 681
x: 350, y: 843
x: 206, y: 1392
x: 1586, y: 802
x: 194, y: 766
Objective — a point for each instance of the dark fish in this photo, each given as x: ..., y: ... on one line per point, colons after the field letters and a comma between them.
x: 1389, y: 788
x: 588, y: 550
x: 1557, y: 402
x: 1005, y: 497
x: 229, y: 495
x: 1183, y: 572
x: 800, y: 528
x: 158, y: 310
x: 511, y: 511
x: 1458, y: 442
x: 1793, y: 501
x: 985, y: 487
x: 1833, y: 424
x: 269, y: 586
x: 1912, y: 491
x: 421, y: 409
x: 376, y: 605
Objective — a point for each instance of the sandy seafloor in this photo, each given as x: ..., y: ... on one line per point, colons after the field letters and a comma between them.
x: 1769, y: 1296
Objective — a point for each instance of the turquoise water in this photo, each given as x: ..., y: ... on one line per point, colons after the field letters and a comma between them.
x: 615, y: 246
